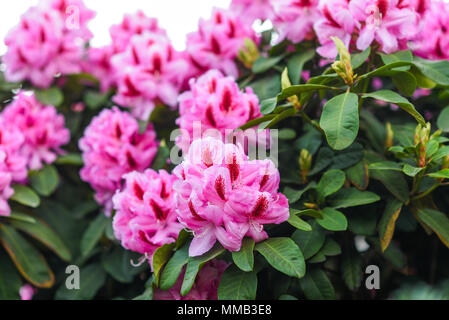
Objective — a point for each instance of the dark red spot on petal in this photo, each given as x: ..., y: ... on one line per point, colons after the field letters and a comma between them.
x: 210, y: 117
x: 226, y: 100
x: 159, y: 213
x: 138, y: 191
x: 234, y: 168
x: 329, y: 17
x: 193, y: 211
x: 260, y: 207
x: 220, y: 187
x: 383, y: 7
x: 215, y: 45
x: 131, y: 162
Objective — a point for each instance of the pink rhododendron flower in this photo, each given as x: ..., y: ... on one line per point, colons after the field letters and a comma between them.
x: 433, y: 40
x: 26, y: 292
x: 385, y: 22
x: 42, y: 46
x: 217, y: 42
x: 145, y: 216
x: 204, y: 288
x: 98, y: 64
x: 133, y: 24
x: 112, y: 146
x: 294, y: 19
x: 43, y: 128
x: 150, y: 71
x: 251, y: 10
x: 217, y: 103
x: 223, y: 196
x: 336, y: 21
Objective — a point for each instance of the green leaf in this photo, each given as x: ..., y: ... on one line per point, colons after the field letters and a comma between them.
x: 244, y: 259
x: 195, y: 264
x: 331, y: 182
x: 410, y: 170
x: 385, y: 69
x: 267, y: 106
x: 95, y: 100
x: 298, y: 223
x: 287, y: 134
x: 393, y: 97
x: 385, y: 165
x: 330, y: 248
x: 296, y: 63
x: 160, y: 160
x: 10, y: 282
x: 283, y: 255
x: 387, y: 222
x: 404, y: 55
x: 333, y: 220
x: 394, y: 182
x: 340, y: 120
x: 437, y: 71
x: 300, y: 88
x: 236, y: 284
x: 93, y: 234
x: 174, y: 267
x: 352, y: 197
x: 405, y: 82
x: 359, y: 175
x: 92, y: 278
x: 437, y: 221
x: 323, y: 160
x: 262, y: 64
x: 45, y: 181
x: 25, y: 196
x: 21, y: 217
x: 442, y: 174
x: 43, y: 233
x: 30, y: 263
x: 310, y: 242
x: 443, y: 120
x: 267, y: 87
x: 360, y: 58
x: 348, y: 157
x: 351, y: 269
x: 317, y: 286
x: 160, y: 258
x: 52, y: 96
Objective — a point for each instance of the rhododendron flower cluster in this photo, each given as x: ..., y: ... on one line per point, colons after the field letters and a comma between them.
x: 433, y: 40
x: 294, y: 19
x: 217, y: 103
x: 148, y: 72
x: 204, y: 288
x: 145, y: 216
x: 251, y: 10
x: 47, y: 43
x: 112, y: 146
x: 223, y: 196
x: 42, y: 127
x: 99, y: 59
x: 217, y: 42
x: 12, y: 163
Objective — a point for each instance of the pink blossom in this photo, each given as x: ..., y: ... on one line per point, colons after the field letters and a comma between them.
x: 145, y: 216
x: 223, y: 196
x: 433, y: 40
x: 217, y: 103
x: 204, y: 288
x: 99, y: 65
x: 251, y: 10
x: 294, y: 19
x: 112, y: 146
x: 133, y: 24
x: 41, y: 46
x: 385, y: 22
x: 336, y: 21
x: 43, y: 128
x: 27, y: 292
x: 5, y: 190
x: 150, y: 71
x: 217, y: 42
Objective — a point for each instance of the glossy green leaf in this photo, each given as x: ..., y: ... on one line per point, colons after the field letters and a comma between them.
x: 298, y: 223
x: 410, y: 170
x: 442, y: 174
x: 443, y: 120
x: 295, y: 65
x: 236, y: 284
x: 117, y: 263
x: 351, y: 269
x: 267, y: 106
x: 360, y: 58
x: 244, y: 258
x: 331, y: 182
x: 310, y: 242
x: 394, y: 182
x: 45, y: 181
x: 437, y: 221
x: 174, y: 267
x: 10, y: 282
x: 352, y: 197
x: 387, y: 222
x: 93, y: 234
x: 52, y: 96
x: 437, y: 71
x: 333, y: 220
x: 340, y: 120
x: 283, y: 255
x: 25, y: 196
x: 317, y: 286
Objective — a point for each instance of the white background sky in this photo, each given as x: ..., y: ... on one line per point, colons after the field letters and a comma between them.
x: 178, y: 17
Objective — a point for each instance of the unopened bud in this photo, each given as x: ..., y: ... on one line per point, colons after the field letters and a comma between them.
x: 390, y: 136
x: 248, y: 54
x: 285, y: 82
x: 305, y: 163
x: 343, y: 67
x: 446, y: 162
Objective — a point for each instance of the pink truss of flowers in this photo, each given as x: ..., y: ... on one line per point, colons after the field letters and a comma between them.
x: 251, y: 10
x: 223, y: 196
x: 433, y: 39
x: 27, y: 292
x: 112, y: 146
x: 43, y: 128
x: 217, y: 102
x: 145, y: 216
x: 217, y: 42
x: 294, y: 19
x: 150, y: 71
x: 204, y: 288
x: 42, y: 46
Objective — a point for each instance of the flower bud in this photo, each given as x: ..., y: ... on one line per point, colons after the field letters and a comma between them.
x: 248, y: 54
x: 285, y: 82
x: 343, y: 67
x: 305, y: 163
x: 446, y: 162
x: 390, y: 136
